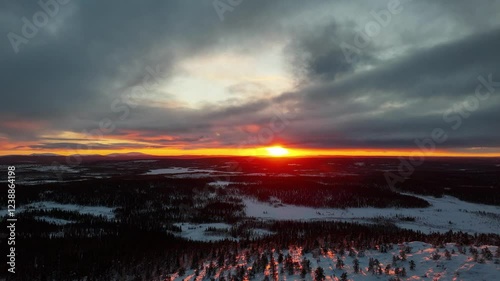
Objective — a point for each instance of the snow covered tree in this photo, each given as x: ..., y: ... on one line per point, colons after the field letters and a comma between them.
x: 475, y: 256
x: 447, y: 254
x: 402, y: 254
x: 274, y: 271
x: 383, y: 248
x: 356, y: 265
x: 387, y: 269
x: 371, y: 263
x: 342, y: 251
x: 352, y: 253
x: 289, y: 264
x: 361, y: 254
x: 394, y: 260
x: 436, y: 256
x: 340, y: 263
x: 303, y: 273
x: 264, y: 262
x: 319, y: 274
x: 210, y: 270
x: 220, y: 260
x: 280, y: 258
x: 487, y: 254
x: 306, y: 264
x: 252, y: 272
x: 412, y: 265
x: 408, y: 249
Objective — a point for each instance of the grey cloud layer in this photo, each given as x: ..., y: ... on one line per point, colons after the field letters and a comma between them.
x: 68, y: 76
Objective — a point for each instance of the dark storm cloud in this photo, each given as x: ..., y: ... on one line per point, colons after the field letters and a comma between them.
x: 69, y: 75
x: 426, y: 84
x: 100, y: 49
x: 448, y: 69
x: 318, y: 53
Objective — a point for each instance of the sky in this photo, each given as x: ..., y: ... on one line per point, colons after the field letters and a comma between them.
x: 232, y: 77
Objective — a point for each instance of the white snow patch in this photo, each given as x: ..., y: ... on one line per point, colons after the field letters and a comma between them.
x: 182, y: 170
x: 446, y: 213
x: 197, y: 232
x: 220, y: 183
x: 54, y: 220
x: 59, y: 168
x: 106, y: 212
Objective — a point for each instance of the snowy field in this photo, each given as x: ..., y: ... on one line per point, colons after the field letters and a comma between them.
x: 446, y: 213
x: 53, y: 220
x: 182, y: 170
x: 198, y: 231
x: 106, y: 212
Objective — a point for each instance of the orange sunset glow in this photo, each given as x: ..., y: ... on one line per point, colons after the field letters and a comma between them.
x: 297, y: 92
x: 250, y: 140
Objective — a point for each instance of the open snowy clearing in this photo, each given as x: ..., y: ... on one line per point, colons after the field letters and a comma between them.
x: 106, y: 212
x: 446, y: 213
x: 197, y: 232
x: 54, y: 220
x: 217, y: 231
x: 182, y: 170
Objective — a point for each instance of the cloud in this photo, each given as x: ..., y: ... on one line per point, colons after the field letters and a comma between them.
x: 81, y: 68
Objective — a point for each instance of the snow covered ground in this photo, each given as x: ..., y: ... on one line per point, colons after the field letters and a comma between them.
x: 175, y: 170
x: 198, y: 231
x: 106, y: 212
x: 220, y: 183
x: 446, y: 213
x: 182, y: 170
x: 459, y: 266
x: 54, y: 220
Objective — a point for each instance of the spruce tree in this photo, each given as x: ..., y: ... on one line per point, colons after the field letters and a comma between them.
x: 356, y: 265
x: 447, y: 254
x: 340, y: 263
x: 319, y: 274
x: 412, y: 265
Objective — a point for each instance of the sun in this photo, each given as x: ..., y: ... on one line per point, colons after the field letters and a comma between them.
x: 277, y: 151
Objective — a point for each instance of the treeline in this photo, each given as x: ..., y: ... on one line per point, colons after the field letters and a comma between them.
x: 338, y: 192
x: 152, y: 204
